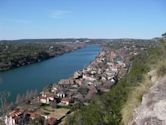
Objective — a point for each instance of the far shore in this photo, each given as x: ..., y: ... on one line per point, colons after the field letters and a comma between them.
x: 34, y: 56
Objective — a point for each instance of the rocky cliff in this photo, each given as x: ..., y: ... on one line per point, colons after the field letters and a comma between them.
x: 152, y: 110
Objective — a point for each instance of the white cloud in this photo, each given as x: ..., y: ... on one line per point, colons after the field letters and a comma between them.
x: 59, y: 13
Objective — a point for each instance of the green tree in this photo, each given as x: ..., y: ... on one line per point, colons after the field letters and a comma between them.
x: 164, y: 34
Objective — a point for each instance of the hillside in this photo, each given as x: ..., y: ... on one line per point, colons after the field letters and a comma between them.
x: 117, y: 106
x: 150, y: 109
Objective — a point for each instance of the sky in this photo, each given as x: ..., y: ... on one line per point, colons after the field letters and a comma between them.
x: 33, y: 19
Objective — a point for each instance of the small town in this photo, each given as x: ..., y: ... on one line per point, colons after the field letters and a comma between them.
x: 58, y: 100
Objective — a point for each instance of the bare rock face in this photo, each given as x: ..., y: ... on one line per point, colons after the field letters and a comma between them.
x: 152, y: 110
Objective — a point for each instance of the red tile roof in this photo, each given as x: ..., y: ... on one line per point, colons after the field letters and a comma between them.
x: 65, y: 100
x: 52, y: 121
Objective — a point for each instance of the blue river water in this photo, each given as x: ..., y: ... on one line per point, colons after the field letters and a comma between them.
x: 38, y: 75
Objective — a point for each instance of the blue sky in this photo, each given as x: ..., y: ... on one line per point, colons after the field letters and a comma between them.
x: 21, y: 19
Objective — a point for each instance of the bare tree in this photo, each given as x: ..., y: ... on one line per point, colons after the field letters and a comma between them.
x: 4, y: 105
x: 35, y: 92
x: 18, y: 99
x: 27, y: 96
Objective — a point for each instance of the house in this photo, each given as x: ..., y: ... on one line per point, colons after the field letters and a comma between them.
x: 55, y: 88
x: 93, y: 72
x: 89, y: 83
x: 65, y: 101
x: 32, y: 115
x: 61, y: 94
x: 78, y: 82
x: 121, y: 64
x: 114, y: 69
x: 12, y: 117
x: 77, y: 75
x: 16, y: 112
x: 103, y: 78
x: 89, y: 78
x: 113, y: 81
x: 9, y: 120
x: 110, y: 64
x: 51, y: 98
x: 44, y: 100
x: 66, y: 82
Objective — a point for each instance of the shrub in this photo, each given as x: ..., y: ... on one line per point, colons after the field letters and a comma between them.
x: 161, y: 69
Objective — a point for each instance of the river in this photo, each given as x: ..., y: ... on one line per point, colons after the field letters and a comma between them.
x: 38, y: 75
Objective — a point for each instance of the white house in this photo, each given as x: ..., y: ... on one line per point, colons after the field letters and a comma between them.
x: 65, y: 101
x: 44, y: 100
x: 61, y: 94
x: 54, y: 89
x: 9, y: 120
x: 89, y: 78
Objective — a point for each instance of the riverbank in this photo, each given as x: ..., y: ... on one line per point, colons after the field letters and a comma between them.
x: 17, y: 54
x: 68, y: 94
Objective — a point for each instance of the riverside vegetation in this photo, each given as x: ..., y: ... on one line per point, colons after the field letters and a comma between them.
x: 18, y: 53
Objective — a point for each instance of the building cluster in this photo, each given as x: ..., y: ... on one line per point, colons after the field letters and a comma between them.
x: 97, y: 77
x: 23, y: 117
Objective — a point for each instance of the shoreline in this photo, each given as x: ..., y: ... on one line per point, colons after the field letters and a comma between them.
x: 42, y: 56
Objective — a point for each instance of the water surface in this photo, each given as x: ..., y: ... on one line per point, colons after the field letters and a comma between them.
x: 38, y: 75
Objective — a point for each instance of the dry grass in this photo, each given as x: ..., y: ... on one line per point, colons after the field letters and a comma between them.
x: 53, y: 112
x: 161, y: 68
x: 59, y: 113
x: 135, y: 99
x: 2, y: 123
